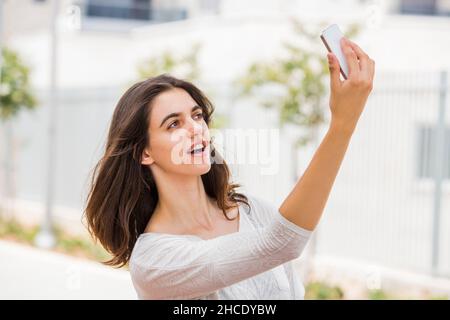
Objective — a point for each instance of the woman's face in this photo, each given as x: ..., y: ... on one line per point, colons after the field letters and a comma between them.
x: 177, y: 126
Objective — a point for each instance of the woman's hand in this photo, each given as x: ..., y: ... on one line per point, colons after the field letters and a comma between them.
x: 349, y: 97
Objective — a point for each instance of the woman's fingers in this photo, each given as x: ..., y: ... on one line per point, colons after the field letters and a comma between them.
x: 351, y: 57
x: 333, y: 64
x: 365, y: 62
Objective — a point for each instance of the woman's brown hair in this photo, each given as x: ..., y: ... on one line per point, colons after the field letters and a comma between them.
x: 123, y: 193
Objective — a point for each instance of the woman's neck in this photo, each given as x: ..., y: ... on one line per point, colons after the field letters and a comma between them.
x: 184, y: 203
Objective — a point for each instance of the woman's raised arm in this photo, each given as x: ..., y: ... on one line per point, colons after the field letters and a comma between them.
x: 305, y: 203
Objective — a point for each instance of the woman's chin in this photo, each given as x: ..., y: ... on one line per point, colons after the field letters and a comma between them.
x: 204, y: 169
x: 196, y: 169
x: 200, y: 167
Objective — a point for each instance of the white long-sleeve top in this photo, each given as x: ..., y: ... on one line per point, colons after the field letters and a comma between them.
x: 253, y: 263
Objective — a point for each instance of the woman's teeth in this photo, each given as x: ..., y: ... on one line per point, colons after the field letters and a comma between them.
x: 197, y: 149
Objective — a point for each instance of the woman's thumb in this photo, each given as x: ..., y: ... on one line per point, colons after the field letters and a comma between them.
x: 333, y: 65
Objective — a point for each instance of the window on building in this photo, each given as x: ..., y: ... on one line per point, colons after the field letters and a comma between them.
x: 121, y: 9
x: 427, y: 152
x: 133, y: 10
x: 425, y: 7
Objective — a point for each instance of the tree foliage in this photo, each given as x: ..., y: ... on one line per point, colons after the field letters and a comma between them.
x: 15, y: 93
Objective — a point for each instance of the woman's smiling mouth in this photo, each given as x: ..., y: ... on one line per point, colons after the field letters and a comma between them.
x: 198, y: 148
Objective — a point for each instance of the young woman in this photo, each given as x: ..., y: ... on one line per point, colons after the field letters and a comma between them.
x: 161, y: 200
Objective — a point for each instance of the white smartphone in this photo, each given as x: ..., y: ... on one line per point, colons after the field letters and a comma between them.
x: 331, y: 38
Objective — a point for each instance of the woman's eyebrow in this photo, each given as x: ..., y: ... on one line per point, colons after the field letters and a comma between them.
x: 176, y: 114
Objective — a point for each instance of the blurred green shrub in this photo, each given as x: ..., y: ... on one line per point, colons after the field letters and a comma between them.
x: 378, y: 295
x: 15, y: 92
x: 317, y: 290
x: 79, y: 246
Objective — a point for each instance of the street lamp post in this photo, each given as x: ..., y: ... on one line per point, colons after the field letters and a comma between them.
x: 46, y: 238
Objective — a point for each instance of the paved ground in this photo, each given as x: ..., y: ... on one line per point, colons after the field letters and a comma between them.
x: 29, y: 273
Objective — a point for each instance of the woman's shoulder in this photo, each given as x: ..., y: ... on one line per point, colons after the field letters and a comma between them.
x: 155, y: 250
x: 262, y: 209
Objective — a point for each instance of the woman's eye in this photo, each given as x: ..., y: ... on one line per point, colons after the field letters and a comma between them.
x: 200, y: 115
x: 171, y: 125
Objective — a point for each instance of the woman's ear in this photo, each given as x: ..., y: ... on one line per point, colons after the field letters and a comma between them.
x: 146, y: 158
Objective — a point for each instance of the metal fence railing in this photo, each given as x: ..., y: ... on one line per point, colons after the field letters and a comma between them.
x: 391, y: 202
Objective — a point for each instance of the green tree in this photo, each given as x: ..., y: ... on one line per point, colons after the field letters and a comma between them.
x: 15, y: 93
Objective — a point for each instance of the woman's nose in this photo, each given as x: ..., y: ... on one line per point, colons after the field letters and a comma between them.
x: 194, y: 127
